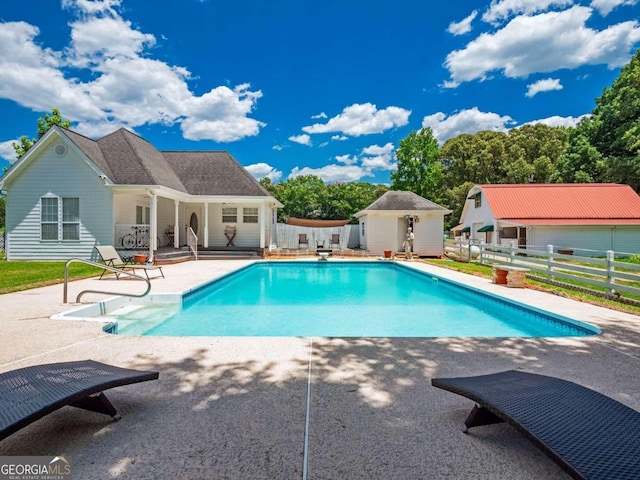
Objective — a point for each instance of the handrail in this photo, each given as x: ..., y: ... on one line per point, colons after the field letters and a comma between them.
x: 106, y: 267
x: 192, y: 241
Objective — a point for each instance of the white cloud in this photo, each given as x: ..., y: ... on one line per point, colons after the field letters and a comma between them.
x: 7, y: 152
x: 605, y: 7
x: 339, y: 138
x: 333, y: 173
x: 543, y: 43
x: 500, y: 10
x: 362, y: 119
x: 277, y: 147
x: 376, y: 157
x: 465, y: 121
x: 557, y: 121
x: 320, y: 115
x: 128, y: 87
x: 347, y: 159
x: 463, y: 26
x: 262, y: 170
x: 545, y: 85
x: 303, y: 139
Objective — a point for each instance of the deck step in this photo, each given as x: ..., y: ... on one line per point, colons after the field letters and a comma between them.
x: 177, y: 256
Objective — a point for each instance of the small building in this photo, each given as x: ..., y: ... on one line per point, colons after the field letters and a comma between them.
x: 588, y: 216
x: 383, y: 224
x: 69, y: 193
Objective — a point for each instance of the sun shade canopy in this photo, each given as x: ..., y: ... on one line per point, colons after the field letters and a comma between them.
x: 486, y: 228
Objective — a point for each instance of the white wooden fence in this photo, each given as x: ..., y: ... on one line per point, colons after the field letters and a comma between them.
x: 559, y: 265
x: 287, y: 236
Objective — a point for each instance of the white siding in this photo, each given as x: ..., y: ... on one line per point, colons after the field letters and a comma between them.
x: 477, y: 216
x: 596, y: 238
x: 627, y: 239
x: 68, y: 176
x: 429, y: 235
x: 247, y: 234
x: 363, y: 229
x: 166, y: 219
x: 385, y: 231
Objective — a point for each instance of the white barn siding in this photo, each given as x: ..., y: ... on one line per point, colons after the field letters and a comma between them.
x: 596, y: 238
x: 68, y: 176
x: 627, y: 239
x: 477, y: 217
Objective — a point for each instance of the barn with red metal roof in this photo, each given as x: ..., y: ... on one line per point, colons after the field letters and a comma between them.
x: 589, y: 216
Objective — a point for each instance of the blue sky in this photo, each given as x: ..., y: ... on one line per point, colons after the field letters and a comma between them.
x: 294, y: 87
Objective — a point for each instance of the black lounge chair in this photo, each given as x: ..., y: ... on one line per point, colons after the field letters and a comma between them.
x: 590, y: 435
x: 30, y: 393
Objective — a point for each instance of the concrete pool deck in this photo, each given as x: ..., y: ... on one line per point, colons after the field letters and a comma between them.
x: 229, y: 407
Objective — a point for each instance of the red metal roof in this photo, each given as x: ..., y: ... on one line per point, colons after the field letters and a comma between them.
x: 564, y: 203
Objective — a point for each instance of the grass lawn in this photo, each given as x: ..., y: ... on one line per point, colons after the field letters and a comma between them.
x: 16, y: 276
x: 484, y: 271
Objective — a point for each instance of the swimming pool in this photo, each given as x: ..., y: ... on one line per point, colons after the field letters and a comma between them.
x: 341, y: 299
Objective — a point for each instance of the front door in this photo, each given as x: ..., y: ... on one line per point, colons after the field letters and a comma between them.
x: 192, y: 218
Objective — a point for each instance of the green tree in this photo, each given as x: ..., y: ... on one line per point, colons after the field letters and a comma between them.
x: 308, y: 197
x: 302, y: 196
x: 476, y: 158
x: 344, y: 200
x: 539, y: 147
x: 581, y: 162
x: 615, y: 129
x: 419, y: 167
x: 44, y: 124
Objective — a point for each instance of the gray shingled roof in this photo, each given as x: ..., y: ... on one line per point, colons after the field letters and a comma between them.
x: 402, y: 200
x: 134, y: 161
x: 213, y: 173
x: 128, y: 159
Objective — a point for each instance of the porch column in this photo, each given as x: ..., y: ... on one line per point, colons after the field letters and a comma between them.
x: 206, y: 224
x: 176, y: 226
x: 153, y: 227
x: 263, y: 223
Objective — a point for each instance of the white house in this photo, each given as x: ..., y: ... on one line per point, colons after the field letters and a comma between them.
x: 383, y: 224
x: 70, y: 193
x: 587, y: 216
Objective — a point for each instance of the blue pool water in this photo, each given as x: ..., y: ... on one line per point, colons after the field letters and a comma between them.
x: 343, y: 299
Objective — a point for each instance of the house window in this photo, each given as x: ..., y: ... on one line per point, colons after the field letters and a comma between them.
x: 71, y: 219
x: 49, y: 218
x: 143, y: 215
x: 477, y: 200
x: 250, y: 215
x: 229, y: 214
x: 52, y: 225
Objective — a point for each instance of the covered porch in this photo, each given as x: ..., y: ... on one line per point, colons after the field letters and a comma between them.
x: 150, y: 220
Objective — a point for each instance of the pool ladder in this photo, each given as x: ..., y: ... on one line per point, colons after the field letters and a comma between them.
x: 106, y: 267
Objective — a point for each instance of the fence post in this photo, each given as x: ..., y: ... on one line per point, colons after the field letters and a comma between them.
x: 550, y: 262
x: 610, y: 272
x: 512, y: 250
x: 480, y: 259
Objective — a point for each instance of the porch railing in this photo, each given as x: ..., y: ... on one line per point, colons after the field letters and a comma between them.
x: 133, y: 237
x: 192, y: 242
